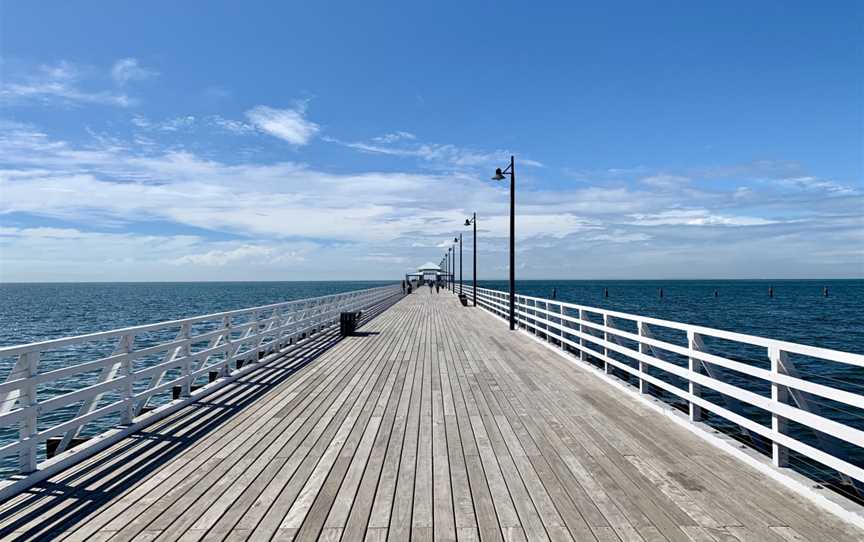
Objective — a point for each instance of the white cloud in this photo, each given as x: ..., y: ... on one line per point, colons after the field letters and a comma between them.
x: 289, y: 220
x: 168, y: 125
x: 233, y: 126
x: 128, y: 69
x: 810, y: 183
x: 56, y: 84
x: 51, y: 254
x: 287, y: 124
x: 696, y: 217
x: 436, y: 155
x: 665, y: 181
x: 394, y: 137
x: 222, y: 257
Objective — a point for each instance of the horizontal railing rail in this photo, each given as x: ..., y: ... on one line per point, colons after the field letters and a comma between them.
x: 56, y: 388
x: 652, y: 350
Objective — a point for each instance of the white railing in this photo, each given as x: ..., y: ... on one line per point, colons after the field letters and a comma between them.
x: 145, y: 363
x: 633, y: 344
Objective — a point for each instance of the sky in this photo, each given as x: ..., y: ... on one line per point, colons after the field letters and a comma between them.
x: 184, y: 141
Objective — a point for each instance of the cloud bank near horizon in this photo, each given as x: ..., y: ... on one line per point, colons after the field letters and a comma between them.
x: 114, y: 204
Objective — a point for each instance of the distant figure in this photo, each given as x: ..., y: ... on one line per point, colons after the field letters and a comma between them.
x: 716, y: 293
x: 430, y: 286
x: 770, y: 291
x: 403, y: 286
x: 554, y: 292
x: 437, y: 287
x: 825, y: 291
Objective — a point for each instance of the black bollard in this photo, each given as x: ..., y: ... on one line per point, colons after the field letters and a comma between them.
x: 716, y: 293
x: 770, y: 291
x: 661, y: 293
x: 825, y: 291
x: 605, y: 292
x: 554, y: 292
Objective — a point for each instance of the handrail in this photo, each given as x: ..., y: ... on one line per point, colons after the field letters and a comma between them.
x: 127, y: 375
x: 640, y: 354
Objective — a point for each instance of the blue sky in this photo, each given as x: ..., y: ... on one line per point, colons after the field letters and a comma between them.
x: 324, y: 140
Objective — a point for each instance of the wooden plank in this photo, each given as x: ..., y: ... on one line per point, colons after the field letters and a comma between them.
x: 361, y: 507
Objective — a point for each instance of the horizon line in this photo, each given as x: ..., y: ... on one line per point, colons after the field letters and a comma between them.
x: 465, y: 280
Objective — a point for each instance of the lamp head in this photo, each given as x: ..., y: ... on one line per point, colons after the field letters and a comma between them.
x: 499, y: 175
x: 467, y: 222
x: 455, y: 239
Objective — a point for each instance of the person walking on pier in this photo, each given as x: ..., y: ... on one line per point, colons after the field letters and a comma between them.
x: 403, y: 286
x: 437, y: 286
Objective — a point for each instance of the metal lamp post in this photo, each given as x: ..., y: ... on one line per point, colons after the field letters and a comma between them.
x: 453, y: 270
x: 499, y: 176
x: 459, y: 240
x: 450, y: 268
x: 468, y: 222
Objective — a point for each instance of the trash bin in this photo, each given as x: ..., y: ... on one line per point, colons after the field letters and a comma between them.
x: 463, y: 299
x: 348, y: 322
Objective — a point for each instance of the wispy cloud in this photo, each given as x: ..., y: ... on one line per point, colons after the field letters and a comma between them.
x: 404, y: 144
x: 229, y: 125
x: 168, y: 125
x: 815, y: 184
x: 246, y: 252
x: 67, y: 84
x: 696, y: 217
x: 289, y: 125
x: 394, y: 137
x: 129, y: 69
x: 665, y: 181
x: 56, y: 84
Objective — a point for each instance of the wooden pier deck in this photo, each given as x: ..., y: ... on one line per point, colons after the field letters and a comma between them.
x: 434, y: 423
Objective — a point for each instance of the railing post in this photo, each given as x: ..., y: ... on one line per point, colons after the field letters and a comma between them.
x: 280, y: 323
x: 128, y: 400
x: 779, y: 394
x: 229, y: 348
x: 546, y: 320
x: 643, y: 349
x: 29, y: 425
x: 582, y: 355
x: 258, y: 336
x: 607, y: 367
x: 563, y: 324
x: 186, y: 332
x: 694, y: 342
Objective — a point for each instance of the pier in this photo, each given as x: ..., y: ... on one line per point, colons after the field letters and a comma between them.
x: 432, y: 422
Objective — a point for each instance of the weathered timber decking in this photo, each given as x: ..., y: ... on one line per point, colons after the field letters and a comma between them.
x: 434, y: 423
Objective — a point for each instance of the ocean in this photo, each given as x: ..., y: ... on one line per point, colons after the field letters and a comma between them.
x: 797, y: 312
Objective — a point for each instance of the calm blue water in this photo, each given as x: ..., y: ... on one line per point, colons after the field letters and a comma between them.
x: 34, y: 312
x: 798, y: 312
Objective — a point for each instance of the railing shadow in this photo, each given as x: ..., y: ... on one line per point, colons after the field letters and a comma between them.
x: 60, y: 505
